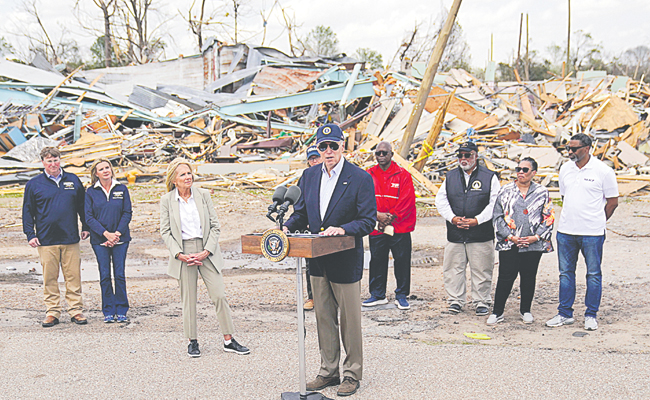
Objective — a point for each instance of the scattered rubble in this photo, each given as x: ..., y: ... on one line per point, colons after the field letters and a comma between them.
x: 248, y: 124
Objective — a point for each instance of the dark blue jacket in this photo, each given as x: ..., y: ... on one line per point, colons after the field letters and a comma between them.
x: 110, y: 215
x: 352, y: 207
x: 50, y: 211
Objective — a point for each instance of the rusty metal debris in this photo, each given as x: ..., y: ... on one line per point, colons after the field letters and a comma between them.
x: 248, y: 120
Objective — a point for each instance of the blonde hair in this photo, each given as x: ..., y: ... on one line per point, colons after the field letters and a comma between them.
x: 93, y: 170
x: 171, y: 172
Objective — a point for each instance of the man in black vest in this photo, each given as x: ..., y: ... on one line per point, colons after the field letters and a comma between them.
x: 466, y: 200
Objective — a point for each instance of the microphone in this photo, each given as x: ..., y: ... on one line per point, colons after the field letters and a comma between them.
x: 291, y: 196
x: 278, y: 197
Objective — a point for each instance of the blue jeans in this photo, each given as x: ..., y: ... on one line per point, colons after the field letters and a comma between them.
x: 114, y: 302
x: 380, y: 246
x: 568, y: 247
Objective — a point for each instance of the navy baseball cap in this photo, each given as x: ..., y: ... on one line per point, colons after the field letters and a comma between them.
x: 329, y: 133
x: 312, y: 151
x: 468, y: 146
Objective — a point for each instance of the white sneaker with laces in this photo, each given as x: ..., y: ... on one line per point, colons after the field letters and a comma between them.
x: 527, y: 318
x: 559, y: 320
x: 591, y: 323
x: 494, y: 319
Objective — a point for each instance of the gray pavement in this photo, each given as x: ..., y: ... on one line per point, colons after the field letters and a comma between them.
x: 124, y: 362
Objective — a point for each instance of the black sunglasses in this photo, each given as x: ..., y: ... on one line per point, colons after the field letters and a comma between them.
x: 573, y: 149
x: 522, y: 169
x: 464, y: 155
x: 332, y: 145
x: 381, y: 153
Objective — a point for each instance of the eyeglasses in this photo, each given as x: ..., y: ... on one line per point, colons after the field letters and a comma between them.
x: 522, y: 169
x: 573, y: 149
x: 381, y: 153
x: 465, y: 155
x: 322, y: 147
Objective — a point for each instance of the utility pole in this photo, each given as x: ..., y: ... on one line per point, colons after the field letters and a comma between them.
x: 527, y: 59
x: 521, y: 25
x: 568, y: 43
x: 427, y: 80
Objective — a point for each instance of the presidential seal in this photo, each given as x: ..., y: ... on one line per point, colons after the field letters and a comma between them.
x: 275, y: 245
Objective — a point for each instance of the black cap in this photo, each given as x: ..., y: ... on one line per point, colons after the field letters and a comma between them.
x: 468, y: 146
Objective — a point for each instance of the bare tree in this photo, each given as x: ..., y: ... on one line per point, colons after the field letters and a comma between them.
x: 296, y: 44
x: 585, y: 50
x: 42, y: 40
x: 56, y: 50
x: 108, y: 10
x: 196, y: 24
x: 88, y: 22
x: 637, y: 59
x: 418, y: 44
x: 142, y: 43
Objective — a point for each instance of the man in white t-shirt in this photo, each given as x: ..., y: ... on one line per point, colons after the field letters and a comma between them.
x: 590, y: 194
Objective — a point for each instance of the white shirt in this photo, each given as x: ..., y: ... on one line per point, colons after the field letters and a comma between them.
x: 444, y: 208
x: 56, y: 179
x: 107, y: 193
x: 327, y: 185
x: 585, y: 191
x: 190, y: 218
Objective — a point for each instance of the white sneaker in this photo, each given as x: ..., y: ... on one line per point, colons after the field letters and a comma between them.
x: 591, y: 323
x: 494, y: 319
x: 559, y: 320
x: 527, y: 318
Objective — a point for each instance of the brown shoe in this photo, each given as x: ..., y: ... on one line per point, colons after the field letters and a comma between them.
x: 348, y: 387
x: 309, y: 305
x: 49, y: 321
x: 79, y: 319
x: 321, y: 383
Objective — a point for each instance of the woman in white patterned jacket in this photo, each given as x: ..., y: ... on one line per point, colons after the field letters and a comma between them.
x: 523, y: 219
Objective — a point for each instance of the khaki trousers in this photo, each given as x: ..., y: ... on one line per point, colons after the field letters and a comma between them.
x: 216, y: 290
x: 480, y: 257
x: 329, y: 297
x: 65, y: 256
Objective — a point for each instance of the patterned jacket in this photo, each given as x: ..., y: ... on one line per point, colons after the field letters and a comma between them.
x: 517, y: 215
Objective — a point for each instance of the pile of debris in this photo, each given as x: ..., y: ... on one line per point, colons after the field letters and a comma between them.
x: 246, y: 115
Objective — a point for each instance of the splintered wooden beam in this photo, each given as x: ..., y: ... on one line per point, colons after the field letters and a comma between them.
x: 434, y: 132
x: 415, y: 173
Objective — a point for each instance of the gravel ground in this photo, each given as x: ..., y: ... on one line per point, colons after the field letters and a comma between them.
x: 421, y: 353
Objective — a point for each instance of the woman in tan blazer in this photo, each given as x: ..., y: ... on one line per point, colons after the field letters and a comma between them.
x: 190, y: 229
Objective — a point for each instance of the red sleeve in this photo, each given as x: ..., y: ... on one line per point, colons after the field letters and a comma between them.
x: 406, y: 201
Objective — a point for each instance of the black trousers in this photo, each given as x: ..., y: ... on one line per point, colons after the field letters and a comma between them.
x: 380, y: 246
x: 512, y: 263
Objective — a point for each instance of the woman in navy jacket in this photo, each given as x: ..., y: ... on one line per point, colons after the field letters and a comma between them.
x: 108, y: 213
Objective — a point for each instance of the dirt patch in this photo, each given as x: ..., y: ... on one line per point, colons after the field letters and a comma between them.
x: 263, y: 299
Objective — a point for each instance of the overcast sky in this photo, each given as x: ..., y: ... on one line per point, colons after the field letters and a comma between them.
x: 382, y: 24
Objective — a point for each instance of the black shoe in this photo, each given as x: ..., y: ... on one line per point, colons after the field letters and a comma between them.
x: 454, y: 308
x: 193, y: 349
x: 482, y: 311
x: 235, y: 347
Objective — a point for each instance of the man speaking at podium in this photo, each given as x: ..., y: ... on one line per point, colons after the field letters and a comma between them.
x: 338, y: 198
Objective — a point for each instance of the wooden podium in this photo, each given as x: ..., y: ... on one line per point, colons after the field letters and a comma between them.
x: 301, y: 246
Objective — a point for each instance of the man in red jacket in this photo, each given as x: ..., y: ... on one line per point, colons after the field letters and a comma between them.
x: 395, y: 221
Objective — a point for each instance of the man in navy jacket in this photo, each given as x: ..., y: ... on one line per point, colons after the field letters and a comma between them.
x: 338, y: 198
x: 51, y: 205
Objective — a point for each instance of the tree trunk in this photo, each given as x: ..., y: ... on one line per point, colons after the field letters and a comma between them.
x: 427, y: 80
